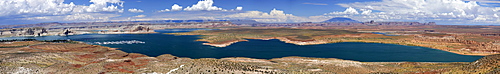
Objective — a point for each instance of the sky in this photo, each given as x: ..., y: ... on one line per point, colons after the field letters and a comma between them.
x: 445, y: 12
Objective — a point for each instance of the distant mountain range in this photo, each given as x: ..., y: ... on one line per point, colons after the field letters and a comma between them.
x: 341, y: 20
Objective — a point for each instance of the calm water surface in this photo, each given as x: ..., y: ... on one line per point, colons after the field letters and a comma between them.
x: 185, y: 46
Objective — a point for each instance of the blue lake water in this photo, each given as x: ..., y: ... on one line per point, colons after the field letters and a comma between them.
x: 184, y: 46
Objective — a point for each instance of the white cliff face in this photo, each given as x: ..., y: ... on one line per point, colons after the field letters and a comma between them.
x: 223, y: 44
x: 24, y: 32
x: 6, y: 33
x: 286, y: 40
x: 130, y: 30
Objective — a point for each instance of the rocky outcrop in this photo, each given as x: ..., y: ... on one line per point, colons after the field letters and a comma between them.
x: 472, y: 46
x: 66, y: 32
x: 488, y: 64
x: 36, y: 31
x: 490, y: 34
x: 141, y: 29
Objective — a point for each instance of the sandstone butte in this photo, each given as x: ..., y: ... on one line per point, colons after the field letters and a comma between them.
x: 26, y: 57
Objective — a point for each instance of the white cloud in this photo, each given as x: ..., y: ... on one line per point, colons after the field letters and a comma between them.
x: 165, y: 10
x: 239, y: 8
x: 84, y: 17
x: 203, y: 5
x: 35, y: 18
x: 349, y: 10
x: 33, y: 8
x: 102, y: 5
x: 212, y: 15
x: 485, y: 1
x: 140, y: 16
x: 135, y: 10
x: 79, y: 17
x: 425, y: 6
x: 366, y: 11
x: 494, y: 3
x: 273, y: 16
x: 447, y: 11
x: 73, y: 17
x: 176, y: 7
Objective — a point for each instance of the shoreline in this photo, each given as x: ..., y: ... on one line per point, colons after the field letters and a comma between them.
x: 222, y: 44
x: 118, y: 49
x: 285, y: 40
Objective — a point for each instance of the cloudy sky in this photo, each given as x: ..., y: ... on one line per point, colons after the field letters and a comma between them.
x: 464, y: 12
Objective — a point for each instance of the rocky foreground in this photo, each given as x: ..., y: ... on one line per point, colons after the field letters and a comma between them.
x: 78, y: 58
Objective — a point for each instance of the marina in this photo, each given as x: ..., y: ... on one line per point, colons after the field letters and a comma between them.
x: 119, y: 42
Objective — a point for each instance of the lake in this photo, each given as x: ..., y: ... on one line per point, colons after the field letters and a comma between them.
x: 184, y: 46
